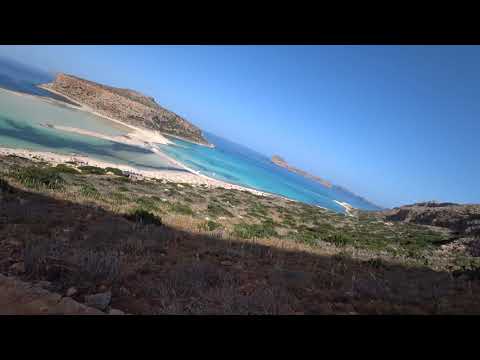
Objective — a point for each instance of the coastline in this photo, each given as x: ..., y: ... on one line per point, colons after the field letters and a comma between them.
x: 170, y: 175
x: 348, y: 208
x: 148, y: 135
x: 138, y: 137
x: 212, y: 146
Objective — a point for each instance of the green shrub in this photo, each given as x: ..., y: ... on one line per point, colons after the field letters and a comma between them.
x: 35, y: 177
x: 147, y: 203
x: 144, y: 217
x: 249, y: 231
x: 62, y: 168
x: 339, y: 239
x: 114, y: 171
x: 92, y: 170
x: 89, y: 190
x: 181, y: 209
x: 216, y: 210
x: 210, y: 225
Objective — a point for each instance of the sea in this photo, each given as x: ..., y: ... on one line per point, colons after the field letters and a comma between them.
x: 21, y: 119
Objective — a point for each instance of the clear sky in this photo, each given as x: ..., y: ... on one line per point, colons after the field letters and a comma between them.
x: 395, y: 124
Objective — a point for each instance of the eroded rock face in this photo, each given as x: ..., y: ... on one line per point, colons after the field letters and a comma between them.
x: 127, y: 106
x: 463, y: 220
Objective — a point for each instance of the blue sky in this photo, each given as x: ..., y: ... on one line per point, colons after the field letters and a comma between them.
x: 396, y: 124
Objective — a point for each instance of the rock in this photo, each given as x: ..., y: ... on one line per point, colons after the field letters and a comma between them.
x: 102, y: 288
x: 116, y: 312
x: 180, y: 186
x: 124, y: 291
x: 71, y: 291
x: 44, y: 284
x: 18, y: 268
x: 226, y: 263
x: 99, y: 301
x: 14, y: 242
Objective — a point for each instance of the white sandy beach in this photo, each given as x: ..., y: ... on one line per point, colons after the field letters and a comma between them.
x: 145, y: 139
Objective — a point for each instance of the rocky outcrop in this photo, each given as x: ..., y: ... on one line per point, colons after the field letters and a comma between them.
x: 462, y: 220
x: 128, y: 106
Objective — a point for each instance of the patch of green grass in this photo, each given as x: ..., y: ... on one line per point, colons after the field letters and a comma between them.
x: 249, y: 231
x: 147, y: 203
x: 62, y: 168
x: 258, y: 209
x: 123, y: 189
x: 118, y: 196
x: 114, y: 171
x: 339, y: 239
x: 144, y: 217
x: 181, y: 209
x: 92, y: 170
x: 88, y: 190
x: 216, y: 210
x: 35, y: 177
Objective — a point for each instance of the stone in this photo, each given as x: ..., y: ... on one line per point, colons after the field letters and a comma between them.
x: 116, y: 312
x: 18, y: 268
x: 71, y: 291
x: 44, y: 284
x: 226, y: 263
x: 99, y: 301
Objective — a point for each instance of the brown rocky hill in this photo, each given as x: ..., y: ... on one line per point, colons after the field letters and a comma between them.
x: 126, y: 105
x: 464, y: 220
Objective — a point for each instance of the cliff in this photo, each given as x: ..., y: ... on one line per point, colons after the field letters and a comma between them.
x: 281, y: 162
x: 126, y: 105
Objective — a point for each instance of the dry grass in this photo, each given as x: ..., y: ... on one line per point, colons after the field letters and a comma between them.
x: 179, y: 266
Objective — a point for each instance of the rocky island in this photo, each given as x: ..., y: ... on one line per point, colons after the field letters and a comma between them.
x: 125, y: 105
x: 282, y: 163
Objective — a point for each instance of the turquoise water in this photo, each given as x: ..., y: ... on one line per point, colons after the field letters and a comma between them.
x: 21, y: 116
x: 237, y: 164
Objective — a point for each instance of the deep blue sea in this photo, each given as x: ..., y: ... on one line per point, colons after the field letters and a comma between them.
x: 20, y: 119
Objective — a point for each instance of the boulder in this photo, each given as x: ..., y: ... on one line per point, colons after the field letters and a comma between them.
x: 99, y: 301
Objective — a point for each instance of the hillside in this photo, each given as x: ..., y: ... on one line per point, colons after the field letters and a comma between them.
x: 150, y: 246
x: 126, y: 105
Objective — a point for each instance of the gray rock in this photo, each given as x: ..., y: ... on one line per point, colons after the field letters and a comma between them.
x: 116, y: 312
x: 18, y: 268
x: 71, y: 291
x: 99, y: 301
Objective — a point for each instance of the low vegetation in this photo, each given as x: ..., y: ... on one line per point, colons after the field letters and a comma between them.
x: 167, y: 248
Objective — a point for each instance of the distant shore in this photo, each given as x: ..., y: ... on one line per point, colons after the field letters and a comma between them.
x: 190, y: 141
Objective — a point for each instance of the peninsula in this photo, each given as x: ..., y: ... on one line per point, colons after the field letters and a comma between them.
x: 128, y: 106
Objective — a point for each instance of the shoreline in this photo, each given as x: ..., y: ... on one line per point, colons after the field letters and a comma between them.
x: 170, y: 175
x: 151, y: 135
x: 134, y: 138
x: 212, y: 146
x: 348, y: 208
